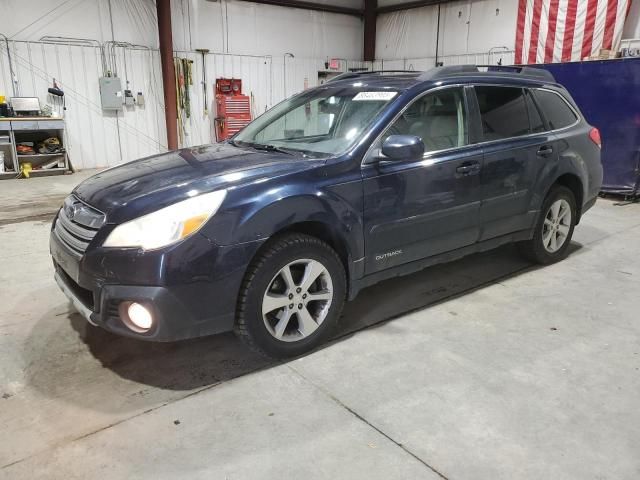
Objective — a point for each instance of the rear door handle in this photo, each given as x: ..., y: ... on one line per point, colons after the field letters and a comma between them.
x: 545, y: 151
x: 469, y: 169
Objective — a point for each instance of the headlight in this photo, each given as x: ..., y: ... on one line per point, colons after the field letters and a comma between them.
x: 167, y: 225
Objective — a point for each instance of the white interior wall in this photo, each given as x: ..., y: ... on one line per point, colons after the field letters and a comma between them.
x: 632, y: 25
x: 469, y: 29
x: 224, y: 26
x: 465, y: 27
x: 246, y: 41
x: 94, y: 137
x: 250, y: 28
x: 134, y: 21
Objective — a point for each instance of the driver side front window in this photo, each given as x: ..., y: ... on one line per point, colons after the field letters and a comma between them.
x: 438, y: 118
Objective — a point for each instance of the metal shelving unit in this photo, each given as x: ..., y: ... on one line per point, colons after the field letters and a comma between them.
x: 7, y: 147
x: 19, y: 129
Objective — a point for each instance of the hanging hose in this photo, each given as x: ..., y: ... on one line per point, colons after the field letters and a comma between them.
x: 183, y: 68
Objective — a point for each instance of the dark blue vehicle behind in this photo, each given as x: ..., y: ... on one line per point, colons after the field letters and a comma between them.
x: 367, y: 177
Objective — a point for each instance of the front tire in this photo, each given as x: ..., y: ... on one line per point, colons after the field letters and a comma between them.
x: 554, y: 229
x: 291, y: 297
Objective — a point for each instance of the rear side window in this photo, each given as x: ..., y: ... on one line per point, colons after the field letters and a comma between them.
x: 503, y: 111
x: 555, y: 109
x: 535, y: 120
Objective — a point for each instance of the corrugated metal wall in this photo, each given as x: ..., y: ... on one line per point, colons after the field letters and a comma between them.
x: 456, y: 28
x: 98, y: 138
x: 95, y: 138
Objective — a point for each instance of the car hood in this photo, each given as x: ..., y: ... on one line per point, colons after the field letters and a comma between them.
x: 151, y: 183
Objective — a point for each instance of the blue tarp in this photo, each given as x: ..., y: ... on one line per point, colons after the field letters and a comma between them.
x: 608, y: 93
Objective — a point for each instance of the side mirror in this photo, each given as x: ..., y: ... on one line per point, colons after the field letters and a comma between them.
x: 402, y: 147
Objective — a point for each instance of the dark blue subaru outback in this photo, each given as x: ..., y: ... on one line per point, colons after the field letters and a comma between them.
x: 367, y: 177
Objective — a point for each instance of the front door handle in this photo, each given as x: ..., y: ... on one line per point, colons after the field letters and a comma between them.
x: 469, y: 169
x: 545, y: 151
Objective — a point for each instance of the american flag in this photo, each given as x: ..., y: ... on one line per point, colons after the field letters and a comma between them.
x: 567, y: 30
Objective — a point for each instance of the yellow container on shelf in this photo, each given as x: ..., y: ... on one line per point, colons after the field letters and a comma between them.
x: 2, y: 98
x: 25, y: 169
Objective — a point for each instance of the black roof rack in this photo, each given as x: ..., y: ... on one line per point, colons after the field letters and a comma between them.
x: 454, y: 70
x: 532, y: 72
x: 347, y: 75
x: 441, y: 72
x: 459, y: 70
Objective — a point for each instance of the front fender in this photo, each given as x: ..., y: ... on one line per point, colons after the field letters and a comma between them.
x: 260, y: 211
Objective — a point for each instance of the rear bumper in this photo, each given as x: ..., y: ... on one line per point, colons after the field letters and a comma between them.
x: 587, y: 205
x: 194, y: 306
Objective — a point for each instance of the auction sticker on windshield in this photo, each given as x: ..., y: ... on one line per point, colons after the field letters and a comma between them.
x: 374, y: 96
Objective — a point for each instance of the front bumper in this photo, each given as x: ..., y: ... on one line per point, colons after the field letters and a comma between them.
x: 66, y: 288
x: 191, y: 287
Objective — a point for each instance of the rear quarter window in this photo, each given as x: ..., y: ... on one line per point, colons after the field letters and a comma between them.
x: 555, y: 109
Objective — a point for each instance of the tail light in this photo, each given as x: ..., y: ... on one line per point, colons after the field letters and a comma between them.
x: 594, y: 135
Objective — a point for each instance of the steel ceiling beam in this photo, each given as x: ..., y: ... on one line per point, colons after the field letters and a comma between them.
x: 319, y: 7
x: 370, y: 20
x: 168, y: 73
x: 410, y: 5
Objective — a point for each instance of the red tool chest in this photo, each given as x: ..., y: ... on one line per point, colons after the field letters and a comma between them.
x: 233, y: 109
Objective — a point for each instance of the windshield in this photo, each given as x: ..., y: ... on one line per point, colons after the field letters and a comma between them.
x: 321, y: 122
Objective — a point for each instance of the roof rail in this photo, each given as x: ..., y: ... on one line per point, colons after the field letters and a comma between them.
x: 532, y: 72
x: 458, y: 70
x: 440, y: 72
x: 454, y: 70
x: 347, y: 75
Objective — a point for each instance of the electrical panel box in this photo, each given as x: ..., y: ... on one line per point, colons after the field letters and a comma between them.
x: 110, y: 93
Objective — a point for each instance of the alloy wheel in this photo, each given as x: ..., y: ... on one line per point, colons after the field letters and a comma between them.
x: 556, y: 226
x: 297, y: 300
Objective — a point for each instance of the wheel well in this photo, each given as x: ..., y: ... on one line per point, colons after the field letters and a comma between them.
x: 574, y: 184
x: 320, y: 231
x: 323, y: 232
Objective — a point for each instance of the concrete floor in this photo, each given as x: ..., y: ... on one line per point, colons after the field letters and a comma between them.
x: 486, y: 368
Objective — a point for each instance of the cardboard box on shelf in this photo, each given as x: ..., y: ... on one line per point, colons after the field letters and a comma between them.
x: 603, y: 54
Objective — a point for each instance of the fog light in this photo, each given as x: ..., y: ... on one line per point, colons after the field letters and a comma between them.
x: 136, y: 316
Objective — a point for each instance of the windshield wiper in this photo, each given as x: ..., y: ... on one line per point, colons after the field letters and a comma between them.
x: 266, y: 147
x: 272, y: 148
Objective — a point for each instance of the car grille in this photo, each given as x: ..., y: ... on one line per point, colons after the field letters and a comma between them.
x: 77, y: 224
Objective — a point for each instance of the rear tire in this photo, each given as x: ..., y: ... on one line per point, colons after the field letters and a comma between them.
x: 291, y: 297
x: 554, y: 229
